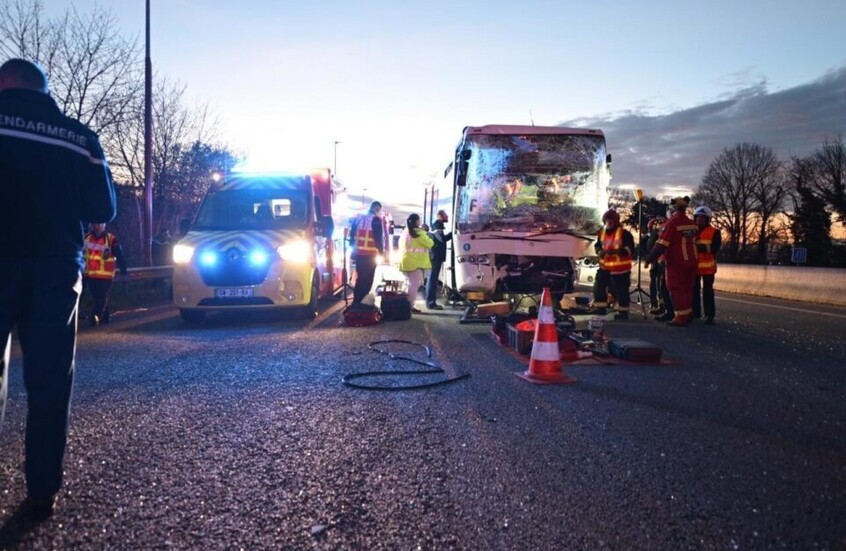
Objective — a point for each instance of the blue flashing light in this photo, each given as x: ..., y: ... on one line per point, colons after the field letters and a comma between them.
x: 208, y: 258
x: 258, y: 257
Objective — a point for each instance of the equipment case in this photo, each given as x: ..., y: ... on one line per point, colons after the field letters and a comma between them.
x: 634, y: 350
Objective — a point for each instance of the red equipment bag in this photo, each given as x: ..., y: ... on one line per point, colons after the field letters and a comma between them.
x: 359, y: 315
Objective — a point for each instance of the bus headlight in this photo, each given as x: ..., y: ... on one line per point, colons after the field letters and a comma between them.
x: 296, y: 251
x: 182, y: 254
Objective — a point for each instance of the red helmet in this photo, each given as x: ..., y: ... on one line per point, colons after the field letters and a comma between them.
x: 611, y: 214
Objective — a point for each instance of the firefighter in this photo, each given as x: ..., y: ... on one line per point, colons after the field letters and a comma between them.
x: 103, y: 254
x: 677, y: 243
x: 367, y: 242
x: 51, y: 184
x: 708, y: 242
x: 615, y: 247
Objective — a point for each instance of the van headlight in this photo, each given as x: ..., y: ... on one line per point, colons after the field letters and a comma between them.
x: 296, y: 251
x: 182, y: 254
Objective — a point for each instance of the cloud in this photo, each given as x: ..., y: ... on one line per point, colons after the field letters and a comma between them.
x: 663, y: 153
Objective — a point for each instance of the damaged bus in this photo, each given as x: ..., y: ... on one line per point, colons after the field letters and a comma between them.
x: 525, y: 203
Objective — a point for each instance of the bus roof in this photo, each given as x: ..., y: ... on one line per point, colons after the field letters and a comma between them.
x: 511, y: 129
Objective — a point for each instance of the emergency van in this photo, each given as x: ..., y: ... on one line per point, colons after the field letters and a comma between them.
x: 261, y: 241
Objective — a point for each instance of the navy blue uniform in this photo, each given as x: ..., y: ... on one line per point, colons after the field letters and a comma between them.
x: 53, y: 180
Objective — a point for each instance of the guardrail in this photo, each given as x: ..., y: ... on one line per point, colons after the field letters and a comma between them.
x: 149, y: 272
x: 819, y: 285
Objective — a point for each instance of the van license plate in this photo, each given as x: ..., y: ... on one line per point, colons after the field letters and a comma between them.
x: 240, y: 292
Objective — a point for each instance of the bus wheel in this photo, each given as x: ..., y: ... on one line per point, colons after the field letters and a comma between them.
x: 310, y: 310
x: 192, y: 317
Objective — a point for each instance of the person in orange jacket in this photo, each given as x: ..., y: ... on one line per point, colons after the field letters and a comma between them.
x: 615, y: 247
x: 708, y: 243
x: 678, y: 245
x: 103, y: 254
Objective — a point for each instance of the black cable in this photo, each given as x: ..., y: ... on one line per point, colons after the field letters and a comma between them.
x: 347, y: 379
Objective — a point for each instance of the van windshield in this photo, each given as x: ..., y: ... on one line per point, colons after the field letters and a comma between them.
x: 254, y: 209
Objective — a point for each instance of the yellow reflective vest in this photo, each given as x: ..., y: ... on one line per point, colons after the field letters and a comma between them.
x: 415, y: 251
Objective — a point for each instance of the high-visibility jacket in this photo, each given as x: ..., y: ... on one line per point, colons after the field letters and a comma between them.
x: 100, y: 258
x: 619, y: 262
x: 706, y: 263
x: 415, y: 251
x: 364, y: 239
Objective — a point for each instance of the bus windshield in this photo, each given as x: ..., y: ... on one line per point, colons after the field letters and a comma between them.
x: 254, y: 209
x: 531, y: 183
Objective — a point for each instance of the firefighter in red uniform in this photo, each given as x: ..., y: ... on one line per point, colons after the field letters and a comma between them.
x: 102, y: 255
x: 615, y: 248
x: 708, y: 243
x: 678, y: 245
x: 367, y: 241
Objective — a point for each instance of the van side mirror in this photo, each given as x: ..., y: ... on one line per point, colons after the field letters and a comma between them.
x: 324, y: 227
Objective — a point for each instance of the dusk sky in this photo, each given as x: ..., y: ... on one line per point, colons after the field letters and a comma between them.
x: 670, y: 83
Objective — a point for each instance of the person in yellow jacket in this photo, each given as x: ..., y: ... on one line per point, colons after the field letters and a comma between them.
x: 414, y: 261
x: 103, y: 255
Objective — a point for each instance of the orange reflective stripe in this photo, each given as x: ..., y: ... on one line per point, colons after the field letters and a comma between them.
x: 706, y: 261
x: 615, y: 263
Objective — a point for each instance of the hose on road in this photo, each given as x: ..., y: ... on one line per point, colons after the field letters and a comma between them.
x: 433, y: 369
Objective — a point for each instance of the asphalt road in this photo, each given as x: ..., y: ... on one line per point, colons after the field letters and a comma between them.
x: 239, y: 434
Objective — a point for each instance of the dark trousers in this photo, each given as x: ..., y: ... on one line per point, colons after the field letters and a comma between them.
x: 618, y: 284
x: 656, y: 272
x: 99, y: 290
x: 706, y: 298
x: 41, y: 298
x: 666, y: 300
x: 432, y: 283
x: 365, y: 271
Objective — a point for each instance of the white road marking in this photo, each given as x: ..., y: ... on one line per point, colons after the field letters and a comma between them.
x: 815, y: 312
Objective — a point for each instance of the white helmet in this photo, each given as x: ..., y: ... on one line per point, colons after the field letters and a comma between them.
x: 702, y: 211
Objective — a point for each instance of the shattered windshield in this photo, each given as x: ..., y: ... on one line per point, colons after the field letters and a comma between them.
x: 545, y: 183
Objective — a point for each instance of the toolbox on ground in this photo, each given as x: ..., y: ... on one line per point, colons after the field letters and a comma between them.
x: 519, y: 338
x: 634, y: 350
x: 395, y: 306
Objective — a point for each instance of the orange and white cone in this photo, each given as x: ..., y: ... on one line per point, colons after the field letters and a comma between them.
x: 545, y: 361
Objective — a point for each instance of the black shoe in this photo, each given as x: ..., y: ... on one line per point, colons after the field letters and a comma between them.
x: 664, y: 317
x: 709, y: 321
x: 93, y: 320
x: 39, y: 509
x: 434, y: 307
x: 621, y: 316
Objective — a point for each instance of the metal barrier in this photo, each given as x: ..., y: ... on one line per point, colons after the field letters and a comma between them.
x: 149, y: 272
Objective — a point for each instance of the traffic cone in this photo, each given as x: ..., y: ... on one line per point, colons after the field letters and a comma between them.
x: 545, y: 362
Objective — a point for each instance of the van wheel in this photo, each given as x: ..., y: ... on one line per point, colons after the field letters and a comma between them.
x: 193, y: 317
x: 311, y: 310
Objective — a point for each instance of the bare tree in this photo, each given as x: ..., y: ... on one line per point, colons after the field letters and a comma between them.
x: 829, y: 180
x: 728, y: 188
x: 183, y: 155
x: 94, y: 72
x: 769, y: 190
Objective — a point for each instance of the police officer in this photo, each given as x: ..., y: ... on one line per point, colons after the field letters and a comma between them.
x: 708, y: 243
x: 437, y: 255
x: 102, y: 254
x: 615, y: 247
x: 367, y: 241
x: 53, y: 177
x: 677, y: 244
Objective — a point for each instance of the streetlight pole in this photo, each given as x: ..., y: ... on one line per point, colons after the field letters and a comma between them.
x: 148, y: 147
